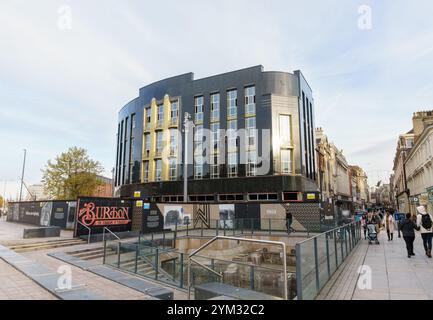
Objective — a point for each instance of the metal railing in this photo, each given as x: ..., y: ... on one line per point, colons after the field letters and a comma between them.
x: 318, y: 258
x: 111, y: 232
x: 90, y: 231
x: 207, y: 244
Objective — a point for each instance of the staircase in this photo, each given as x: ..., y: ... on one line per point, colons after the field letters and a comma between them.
x: 92, y: 253
x: 145, y: 267
x: 45, y: 245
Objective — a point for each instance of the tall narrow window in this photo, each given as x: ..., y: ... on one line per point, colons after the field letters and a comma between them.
x: 232, y: 103
x: 286, y: 161
x: 250, y: 128
x: 214, y: 167
x: 147, y: 145
x: 199, y: 108
x: 158, y: 170
x: 173, y: 142
x: 215, y: 107
x: 148, y: 123
x: 251, y: 163
x: 160, y: 115
x: 146, y: 171
x: 198, y: 152
x: 174, y: 112
x: 285, y: 131
x: 232, y: 163
x: 250, y: 100
x: 215, y: 138
x: 173, y: 169
x: 159, y: 143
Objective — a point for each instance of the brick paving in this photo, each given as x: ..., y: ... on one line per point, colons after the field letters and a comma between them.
x: 394, y: 276
x: 16, y: 286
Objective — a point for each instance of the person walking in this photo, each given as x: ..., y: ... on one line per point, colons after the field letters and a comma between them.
x: 389, y: 225
x: 289, y: 221
x: 364, y: 225
x: 425, y: 222
x: 408, y: 227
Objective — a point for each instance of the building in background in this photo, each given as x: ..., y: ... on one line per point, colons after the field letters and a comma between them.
x: 359, y: 187
x: 36, y: 192
x: 399, y: 185
x: 105, y: 190
x: 249, y: 99
x: 344, y: 188
x: 419, y: 162
x: 251, y: 145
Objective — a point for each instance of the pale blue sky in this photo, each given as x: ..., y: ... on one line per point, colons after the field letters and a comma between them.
x: 60, y: 88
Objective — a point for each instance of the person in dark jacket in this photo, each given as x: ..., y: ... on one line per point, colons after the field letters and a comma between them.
x: 289, y: 221
x: 408, y: 227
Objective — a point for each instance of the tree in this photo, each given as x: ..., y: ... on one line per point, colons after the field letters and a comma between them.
x: 72, y: 174
x: 1, y: 203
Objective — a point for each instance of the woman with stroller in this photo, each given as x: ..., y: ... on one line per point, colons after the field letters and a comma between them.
x: 408, y: 227
x: 364, y: 225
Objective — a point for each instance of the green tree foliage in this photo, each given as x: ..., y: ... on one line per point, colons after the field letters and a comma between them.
x: 72, y: 174
x: 1, y: 203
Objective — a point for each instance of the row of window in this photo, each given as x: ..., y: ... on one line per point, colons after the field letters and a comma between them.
x: 174, y: 115
x: 262, y: 197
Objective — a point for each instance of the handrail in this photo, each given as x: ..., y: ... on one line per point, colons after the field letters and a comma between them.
x: 90, y: 230
x: 282, y: 244
x: 103, y: 234
x: 355, y: 223
x: 206, y: 267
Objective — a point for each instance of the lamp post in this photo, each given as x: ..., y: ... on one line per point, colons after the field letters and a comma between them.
x: 22, y: 174
x: 186, y: 124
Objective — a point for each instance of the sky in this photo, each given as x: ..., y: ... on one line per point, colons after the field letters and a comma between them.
x: 68, y: 67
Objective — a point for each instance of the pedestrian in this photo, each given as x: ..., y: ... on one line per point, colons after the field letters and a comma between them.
x: 389, y: 225
x: 408, y: 227
x: 364, y: 225
x: 425, y: 222
x: 289, y: 221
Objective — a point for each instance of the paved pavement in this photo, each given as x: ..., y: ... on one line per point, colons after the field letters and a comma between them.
x: 393, y: 275
x: 16, y: 286
x: 12, y: 232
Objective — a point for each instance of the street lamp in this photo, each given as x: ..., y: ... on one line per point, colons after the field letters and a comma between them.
x: 186, y: 124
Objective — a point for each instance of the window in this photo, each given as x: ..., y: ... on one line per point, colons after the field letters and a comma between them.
x: 174, y: 112
x: 147, y: 144
x: 232, y: 164
x: 250, y: 127
x: 173, y: 142
x: 198, y: 152
x: 159, y: 144
x: 146, y: 171
x: 199, y: 108
x: 133, y: 122
x: 285, y: 131
x: 250, y: 100
x: 286, y: 161
x: 215, y: 169
x: 158, y: 170
x: 232, y: 103
x: 251, y: 163
x: 215, y: 107
x: 232, y: 127
x: 215, y: 138
x: 173, y: 169
x: 160, y: 115
x: 148, y: 117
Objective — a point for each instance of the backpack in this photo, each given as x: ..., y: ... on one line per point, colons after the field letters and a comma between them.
x: 426, y: 221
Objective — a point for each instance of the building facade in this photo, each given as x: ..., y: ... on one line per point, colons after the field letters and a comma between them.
x: 252, y: 139
x: 359, y: 187
x: 399, y: 183
x: 419, y: 166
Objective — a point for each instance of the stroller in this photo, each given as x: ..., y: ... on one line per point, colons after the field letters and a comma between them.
x: 372, y: 234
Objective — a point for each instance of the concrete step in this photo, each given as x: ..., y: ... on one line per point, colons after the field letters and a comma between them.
x: 45, y: 246
x: 40, y: 243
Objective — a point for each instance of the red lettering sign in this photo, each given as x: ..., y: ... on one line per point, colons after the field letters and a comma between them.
x: 92, y: 215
